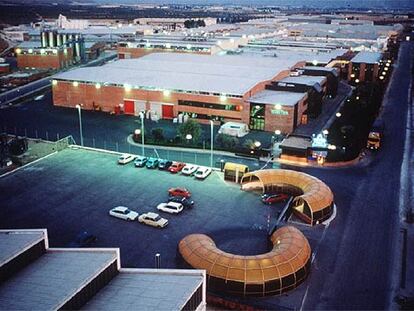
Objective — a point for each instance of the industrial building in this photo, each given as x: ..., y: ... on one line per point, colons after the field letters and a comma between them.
x: 365, y: 66
x: 33, y: 275
x: 195, y: 44
x: 53, y: 51
x: 165, y: 85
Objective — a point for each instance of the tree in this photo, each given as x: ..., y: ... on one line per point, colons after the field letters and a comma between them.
x: 190, y: 127
x: 227, y: 141
x: 248, y: 143
x: 158, y: 134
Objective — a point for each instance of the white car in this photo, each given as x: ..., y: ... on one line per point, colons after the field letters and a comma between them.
x: 202, y: 172
x: 170, y: 207
x: 189, y: 169
x: 153, y: 219
x: 125, y: 158
x: 123, y: 213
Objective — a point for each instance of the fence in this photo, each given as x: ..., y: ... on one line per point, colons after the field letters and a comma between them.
x: 198, y: 157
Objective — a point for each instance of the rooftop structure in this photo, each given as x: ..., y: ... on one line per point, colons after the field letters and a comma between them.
x: 34, y: 276
x: 283, y: 98
x: 304, y: 79
x: 367, y: 57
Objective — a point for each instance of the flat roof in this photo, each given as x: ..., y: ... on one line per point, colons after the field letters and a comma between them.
x: 51, y: 280
x: 135, y: 289
x: 367, y: 57
x: 304, y: 79
x: 224, y: 74
x: 296, y: 142
x: 15, y: 242
x: 283, y: 98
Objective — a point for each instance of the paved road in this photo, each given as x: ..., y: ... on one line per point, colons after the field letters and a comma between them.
x: 354, y: 268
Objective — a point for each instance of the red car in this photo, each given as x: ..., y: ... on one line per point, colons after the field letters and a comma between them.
x: 274, y: 198
x: 176, y: 167
x: 179, y: 192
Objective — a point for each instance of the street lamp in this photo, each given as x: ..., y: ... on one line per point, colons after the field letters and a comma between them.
x: 212, y: 142
x: 325, y: 132
x: 338, y: 114
x: 142, y: 114
x: 257, y: 144
x: 188, y: 136
x: 80, y: 124
x: 278, y: 133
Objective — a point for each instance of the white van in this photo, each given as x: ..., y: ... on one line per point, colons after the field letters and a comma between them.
x: 234, y: 129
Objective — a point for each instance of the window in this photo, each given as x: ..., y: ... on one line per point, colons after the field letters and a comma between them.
x: 208, y: 105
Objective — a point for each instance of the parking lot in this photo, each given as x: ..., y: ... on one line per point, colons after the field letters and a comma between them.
x: 73, y: 191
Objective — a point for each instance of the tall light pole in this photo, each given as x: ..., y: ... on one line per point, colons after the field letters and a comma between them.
x: 142, y: 115
x: 212, y: 142
x: 80, y: 124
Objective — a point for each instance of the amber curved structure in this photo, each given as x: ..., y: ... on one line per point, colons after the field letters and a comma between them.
x: 313, y: 199
x: 281, y: 269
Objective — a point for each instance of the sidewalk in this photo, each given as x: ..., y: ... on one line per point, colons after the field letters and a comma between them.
x: 194, y: 150
x: 329, y: 108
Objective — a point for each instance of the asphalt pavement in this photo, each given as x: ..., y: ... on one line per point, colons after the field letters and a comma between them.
x: 357, y: 265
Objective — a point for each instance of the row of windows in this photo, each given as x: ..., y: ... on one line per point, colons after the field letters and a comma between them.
x: 208, y: 105
x: 206, y: 116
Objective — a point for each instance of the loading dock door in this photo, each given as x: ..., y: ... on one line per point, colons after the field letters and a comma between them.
x: 167, y: 111
x: 129, y: 106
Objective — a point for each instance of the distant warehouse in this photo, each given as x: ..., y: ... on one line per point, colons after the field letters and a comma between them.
x: 165, y: 85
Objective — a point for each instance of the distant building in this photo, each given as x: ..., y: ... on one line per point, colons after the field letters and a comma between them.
x: 194, y: 44
x: 63, y: 23
x: 16, y: 33
x: 54, y: 51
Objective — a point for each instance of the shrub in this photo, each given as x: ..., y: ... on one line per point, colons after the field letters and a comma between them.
x: 158, y: 134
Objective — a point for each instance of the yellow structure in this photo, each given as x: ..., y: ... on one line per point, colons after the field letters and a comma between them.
x: 273, y: 273
x: 313, y: 199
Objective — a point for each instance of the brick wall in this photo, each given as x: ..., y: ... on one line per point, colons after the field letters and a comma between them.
x: 46, y: 61
x: 108, y: 97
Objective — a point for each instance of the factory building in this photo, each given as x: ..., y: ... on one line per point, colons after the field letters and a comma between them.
x: 194, y: 44
x: 167, y: 85
x: 54, y: 51
x: 365, y: 66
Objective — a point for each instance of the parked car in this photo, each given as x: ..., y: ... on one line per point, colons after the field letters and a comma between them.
x: 153, y: 219
x: 152, y: 163
x: 170, y: 207
x: 179, y: 192
x: 164, y: 164
x: 274, y: 198
x: 176, y: 167
x: 189, y: 169
x: 83, y: 239
x: 140, y: 161
x: 202, y: 172
x: 187, y: 203
x: 123, y: 213
x: 125, y: 158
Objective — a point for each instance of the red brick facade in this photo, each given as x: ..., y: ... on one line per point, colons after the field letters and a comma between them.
x: 45, y: 61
